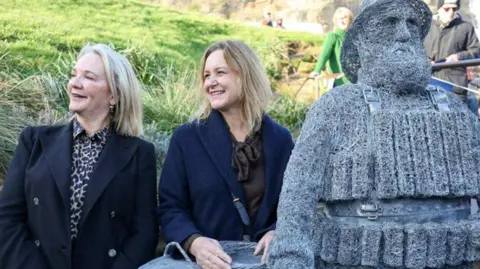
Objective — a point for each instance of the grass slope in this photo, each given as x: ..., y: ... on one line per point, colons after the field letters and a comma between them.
x: 40, y: 31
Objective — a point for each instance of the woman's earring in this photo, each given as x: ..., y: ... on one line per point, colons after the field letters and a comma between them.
x: 112, y: 107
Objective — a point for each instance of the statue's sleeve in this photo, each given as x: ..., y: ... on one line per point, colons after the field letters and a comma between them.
x: 476, y: 155
x: 292, y: 246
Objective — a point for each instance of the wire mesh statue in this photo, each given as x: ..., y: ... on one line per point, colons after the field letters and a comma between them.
x: 384, y: 169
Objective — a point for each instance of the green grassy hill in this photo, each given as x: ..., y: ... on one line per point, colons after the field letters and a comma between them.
x: 40, y: 31
x: 39, y: 40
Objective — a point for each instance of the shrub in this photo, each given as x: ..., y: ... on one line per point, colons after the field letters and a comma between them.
x: 169, y: 99
x: 172, y: 102
x: 20, y: 103
x: 274, y: 56
x: 289, y: 113
x: 12, y: 121
x: 159, y: 140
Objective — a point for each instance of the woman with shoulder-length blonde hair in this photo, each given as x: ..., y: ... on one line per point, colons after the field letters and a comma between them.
x: 224, y: 170
x: 82, y: 195
x: 332, y: 47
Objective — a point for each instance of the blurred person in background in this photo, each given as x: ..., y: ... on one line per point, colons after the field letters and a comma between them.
x: 279, y: 23
x: 332, y: 46
x: 267, y: 20
x: 451, y: 39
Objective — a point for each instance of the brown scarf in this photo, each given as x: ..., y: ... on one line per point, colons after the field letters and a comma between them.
x: 245, y: 154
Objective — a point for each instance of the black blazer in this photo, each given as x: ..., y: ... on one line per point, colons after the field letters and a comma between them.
x: 118, y: 229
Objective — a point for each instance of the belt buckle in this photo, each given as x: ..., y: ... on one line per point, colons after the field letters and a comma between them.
x: 370, y: 211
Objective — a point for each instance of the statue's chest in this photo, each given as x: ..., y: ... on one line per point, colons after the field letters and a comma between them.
x: 406, y: 154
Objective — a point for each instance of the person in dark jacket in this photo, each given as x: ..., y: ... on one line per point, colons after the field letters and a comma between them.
x: 83, y: 195
x: 452, y: 39
x: 267, y: 20
x: 233, y: 148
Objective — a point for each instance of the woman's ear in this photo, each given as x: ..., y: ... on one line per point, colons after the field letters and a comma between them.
x: 113, y: 100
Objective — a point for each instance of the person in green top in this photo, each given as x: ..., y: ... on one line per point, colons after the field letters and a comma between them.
x: 332, y: 46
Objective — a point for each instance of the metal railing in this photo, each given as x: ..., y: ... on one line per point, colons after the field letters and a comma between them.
x: 462, y: 63
x: 435, y: 67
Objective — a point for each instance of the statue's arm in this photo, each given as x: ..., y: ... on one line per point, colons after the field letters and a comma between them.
x: 292, y: 247
x: 476, y: 154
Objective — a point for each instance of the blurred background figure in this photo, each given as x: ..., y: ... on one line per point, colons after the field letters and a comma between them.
x: 332, y: 47
x: 279, y: 23
x: 452, y: 39
x: 267, y: 20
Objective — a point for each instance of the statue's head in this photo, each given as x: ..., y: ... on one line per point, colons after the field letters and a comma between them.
x: 384, y: 46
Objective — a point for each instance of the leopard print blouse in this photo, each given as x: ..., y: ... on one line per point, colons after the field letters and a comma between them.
x: 86, y: 150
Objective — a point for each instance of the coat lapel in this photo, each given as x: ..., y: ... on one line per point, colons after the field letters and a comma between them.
x: 57, y: 148
x: 269, y: 147
x: 113, y: 158
x: 217, y: 142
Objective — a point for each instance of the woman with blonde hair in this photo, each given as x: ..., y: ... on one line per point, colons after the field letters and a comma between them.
x: 224, y: 171
x: 332, y: 47
x: 82, y: 195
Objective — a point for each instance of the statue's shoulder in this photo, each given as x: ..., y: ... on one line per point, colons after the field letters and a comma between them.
x: 453, y: 99
x: 345, y: 102
x: 341, y: 96
x: 348, y: 89
x: 455, y: 102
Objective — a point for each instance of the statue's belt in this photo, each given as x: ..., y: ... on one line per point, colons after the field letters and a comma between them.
x: 398, y: 233
x: 401, y: 210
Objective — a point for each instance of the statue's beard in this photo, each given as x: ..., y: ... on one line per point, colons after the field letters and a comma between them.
x: 400, y: 70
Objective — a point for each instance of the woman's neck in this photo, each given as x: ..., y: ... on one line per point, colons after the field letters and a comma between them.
x: 236, y: 124
x: 93, y: 124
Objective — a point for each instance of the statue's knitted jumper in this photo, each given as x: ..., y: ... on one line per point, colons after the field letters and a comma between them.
x: 407, y: 150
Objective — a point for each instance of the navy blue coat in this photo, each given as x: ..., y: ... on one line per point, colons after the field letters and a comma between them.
x: 118, y: 229
x: 193, y: 194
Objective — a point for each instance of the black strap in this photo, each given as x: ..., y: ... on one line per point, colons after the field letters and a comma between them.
x: 242, y: 211
x: 439, y: 98
x: 372, y: 98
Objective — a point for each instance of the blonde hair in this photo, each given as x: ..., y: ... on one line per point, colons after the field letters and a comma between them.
x: 126, y: 90
x: 341, y: 12
x: 255, y: 87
